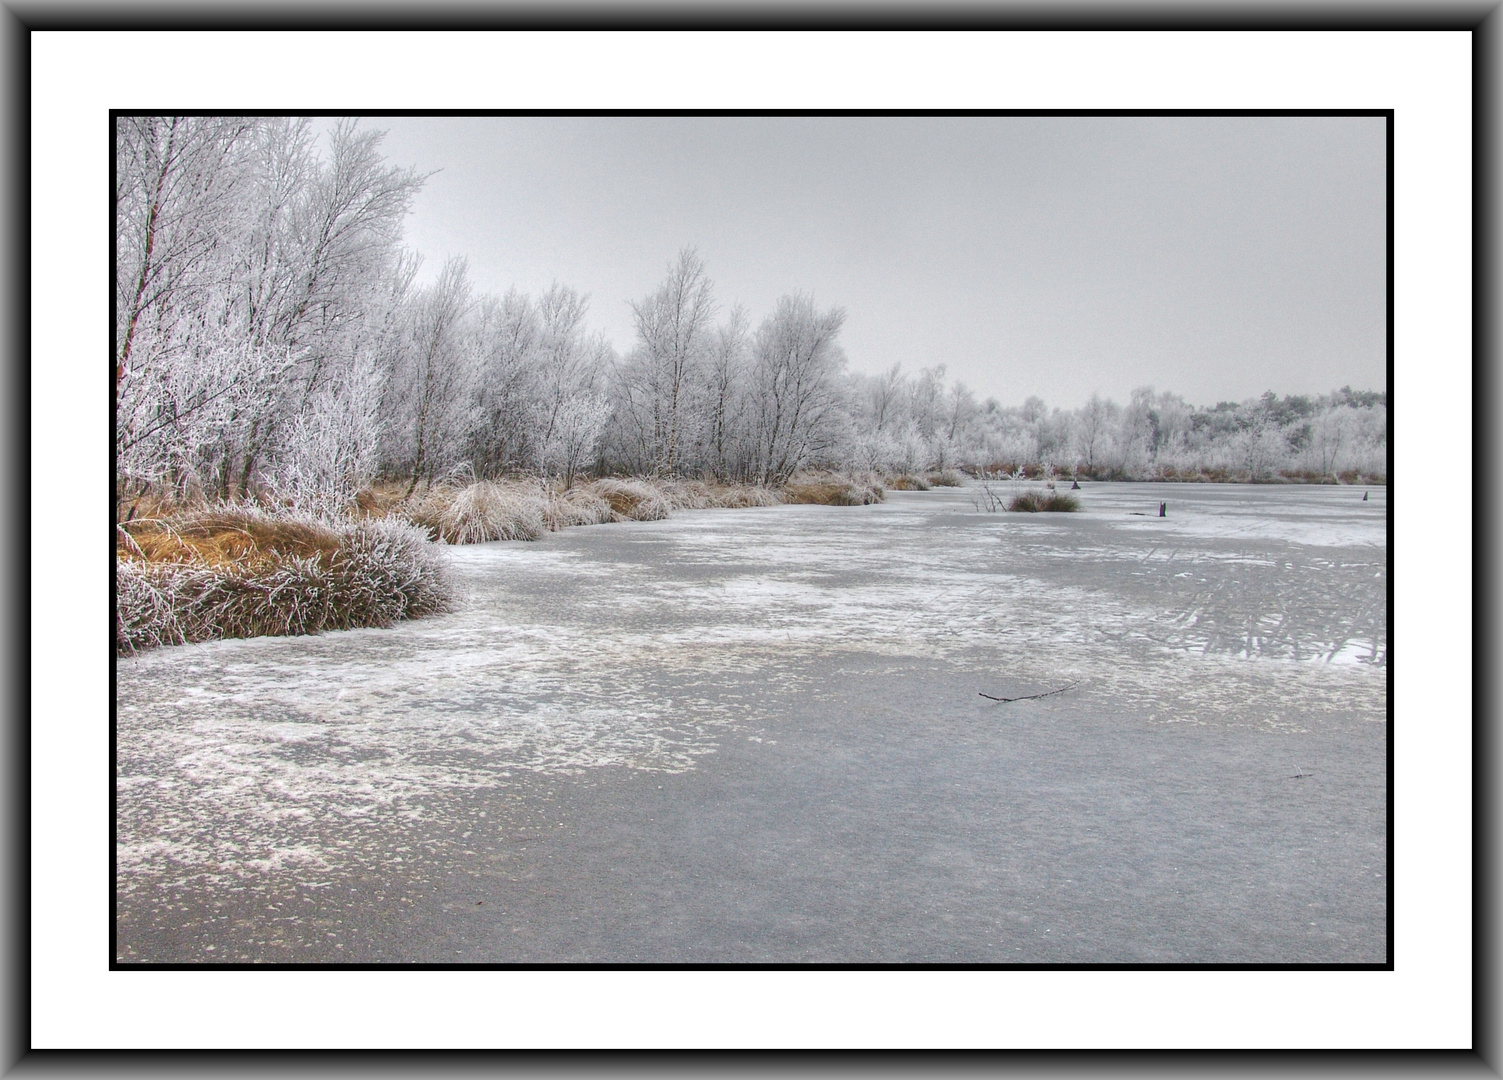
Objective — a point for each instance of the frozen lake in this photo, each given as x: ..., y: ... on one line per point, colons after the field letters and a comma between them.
x: 756, y: 736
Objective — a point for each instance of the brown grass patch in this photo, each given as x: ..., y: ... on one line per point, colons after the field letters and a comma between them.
x: 832, y: 489
x: 222, y: 537
x: 380, y: 499
x: 631, y: 500
x: 242, y: 573
x: 525, y: 509
x: 576, y: 506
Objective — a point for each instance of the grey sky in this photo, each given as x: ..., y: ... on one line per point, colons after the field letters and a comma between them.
x: 1215, y: 257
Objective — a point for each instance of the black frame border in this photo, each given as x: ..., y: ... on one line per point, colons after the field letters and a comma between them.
x: 1386, y: 114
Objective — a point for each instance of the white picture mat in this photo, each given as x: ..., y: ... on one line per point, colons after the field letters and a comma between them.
x: 78, y: 1002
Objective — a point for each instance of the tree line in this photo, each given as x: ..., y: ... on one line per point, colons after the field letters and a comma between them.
x: 1153, y: 436
x: 271, y: 337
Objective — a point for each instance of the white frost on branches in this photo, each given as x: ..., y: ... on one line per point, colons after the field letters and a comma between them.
x: 272, y: 340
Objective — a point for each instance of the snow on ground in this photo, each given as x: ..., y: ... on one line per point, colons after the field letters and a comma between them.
x: 629, y: 644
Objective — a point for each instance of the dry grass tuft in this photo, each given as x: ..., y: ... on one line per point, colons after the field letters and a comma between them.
x: 477, y: 513
x: 946, y: 478
x: 380, y: 499
x: 743, y: 496
x: 524, y: 510
x: 713, y: 495
x: 227, y: 536
x: 243, y: 573
x: 832, y: 489
x: 576, y: 506
x: 487, y: 510
x: 907, y: 482
x: 631, y: 500
x: 1032, y: 502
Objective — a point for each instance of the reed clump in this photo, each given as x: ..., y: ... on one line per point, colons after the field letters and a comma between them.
x: 832, y: 489
x: 485, y: 510
x: 632, y: 500
x: 1033, y: 502
x: 240, y: 572
x: 715, y: 495
x: 478, y: 512
x: 575, y: 506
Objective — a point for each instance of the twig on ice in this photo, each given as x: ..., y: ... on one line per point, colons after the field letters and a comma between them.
x: 1027, y: 697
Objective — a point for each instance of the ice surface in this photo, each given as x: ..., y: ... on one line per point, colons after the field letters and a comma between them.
x: 630, y: 644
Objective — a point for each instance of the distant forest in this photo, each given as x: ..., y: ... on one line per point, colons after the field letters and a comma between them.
x: 270, y: 338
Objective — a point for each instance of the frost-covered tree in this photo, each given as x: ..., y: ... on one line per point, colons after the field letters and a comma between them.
x: 881, y: 400
x: 509, y: 333
x: 179, y: 185
x: 1092, y: 422
x: 339, y: 271
x: 795, y: 388
x: 659, y: 378
x: 256, y: 285
x: 570, y: 367
x: 328, y: 451
x: 724, y: 397
x: 575, y: 433
x: 430, y: 393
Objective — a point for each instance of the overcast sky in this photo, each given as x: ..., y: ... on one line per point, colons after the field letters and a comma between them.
x: 1215, y: 257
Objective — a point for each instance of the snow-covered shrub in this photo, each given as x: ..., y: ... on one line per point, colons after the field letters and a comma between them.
x: 245, y: 573
x: 328, y: 450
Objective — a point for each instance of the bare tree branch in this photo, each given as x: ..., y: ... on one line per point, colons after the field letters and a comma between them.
x: 1029, y: 697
